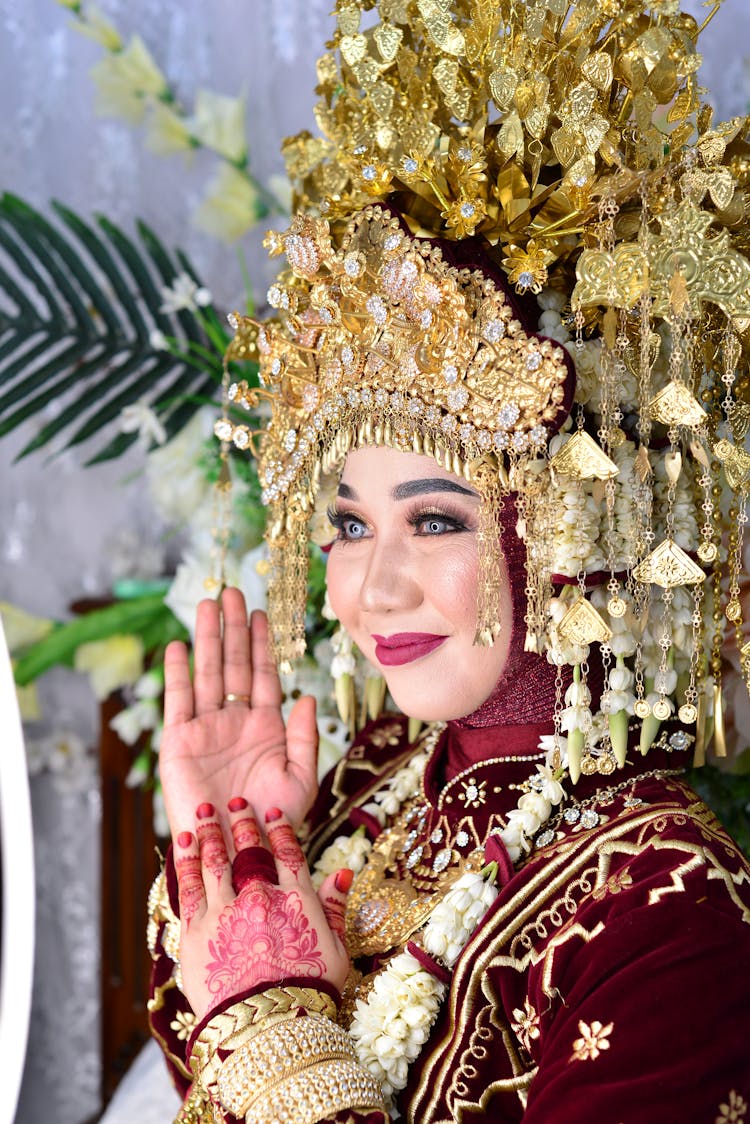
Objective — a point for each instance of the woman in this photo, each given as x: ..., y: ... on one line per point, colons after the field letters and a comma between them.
x: 520, y: 912
x: 588, y: 990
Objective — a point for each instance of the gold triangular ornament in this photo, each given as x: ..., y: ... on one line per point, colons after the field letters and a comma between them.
x: 675, y: 405
x: 668, y: 566
x: 583, y: 459
x: 583, y: 625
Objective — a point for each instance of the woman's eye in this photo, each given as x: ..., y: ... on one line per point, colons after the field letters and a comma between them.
x: 352, y: 529
x: 437, y: 525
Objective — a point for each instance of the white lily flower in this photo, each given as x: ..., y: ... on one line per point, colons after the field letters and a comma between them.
x: 167, y: 131
x: 219, y: 124
x: 126, y: 80
x: 232, y: 206
x: 140, y: 418
x: 95, y: 26
x: 184, y: 294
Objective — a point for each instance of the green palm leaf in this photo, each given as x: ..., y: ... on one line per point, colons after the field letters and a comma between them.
x: 78, y: 304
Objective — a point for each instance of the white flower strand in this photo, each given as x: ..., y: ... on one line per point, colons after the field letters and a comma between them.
x: 392, y: 1024
x: 390, y: 1027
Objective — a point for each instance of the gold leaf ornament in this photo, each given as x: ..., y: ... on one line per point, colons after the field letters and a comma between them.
x: 583, y: 459
x: 388, y: 40
x: 675, y: 405
x: 618, y: 278
x: 736, y: 464
x: 353, y: 48
x: 598, y: 70
x: 503, y: 84
x: 668, y: 566
x: 582, y: 624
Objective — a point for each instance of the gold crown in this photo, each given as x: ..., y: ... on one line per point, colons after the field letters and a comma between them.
x: 384, y: 326
x: 571, y: 137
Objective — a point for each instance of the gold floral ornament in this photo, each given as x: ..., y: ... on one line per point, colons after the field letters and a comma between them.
x: 594, y: 1039
x: 380, y: 339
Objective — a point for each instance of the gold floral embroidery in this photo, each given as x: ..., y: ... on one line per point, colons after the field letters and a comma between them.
x: 734, y: 1111
x: 526, y: 1026
x: 593, y: 1040
x: 183, y: 1024
x: 386, y: 735
x: 614, y: 885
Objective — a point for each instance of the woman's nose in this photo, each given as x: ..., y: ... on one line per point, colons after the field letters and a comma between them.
x: 390, y: 582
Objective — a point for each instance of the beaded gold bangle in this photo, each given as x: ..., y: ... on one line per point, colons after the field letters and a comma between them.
x: 240, y: 1022
x: 318, y: 1093
x: 277, y: 1053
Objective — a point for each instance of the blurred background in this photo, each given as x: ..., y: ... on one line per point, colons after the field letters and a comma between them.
x: 198, y: 161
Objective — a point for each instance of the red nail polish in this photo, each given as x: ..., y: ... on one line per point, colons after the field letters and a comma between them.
x: 273, y: 814
x: 237, y: 804
x: 184, y: 839
x: 204, y: 811
x: 343, y: 880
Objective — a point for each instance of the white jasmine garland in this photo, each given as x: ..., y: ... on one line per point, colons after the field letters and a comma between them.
x: 390, y: 1027
x: 392, y: 1024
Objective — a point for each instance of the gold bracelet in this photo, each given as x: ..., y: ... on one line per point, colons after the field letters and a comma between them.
x: 274, y: 1055
x: 240, y: 1022
x: 319, y: 1093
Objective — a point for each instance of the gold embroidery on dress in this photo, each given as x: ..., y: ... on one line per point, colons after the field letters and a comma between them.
x: 594, y: 1038
x: 733, y: 1111
x: 526, y: 1025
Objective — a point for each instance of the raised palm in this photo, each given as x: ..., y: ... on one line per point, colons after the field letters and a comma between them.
x: 214, y: 748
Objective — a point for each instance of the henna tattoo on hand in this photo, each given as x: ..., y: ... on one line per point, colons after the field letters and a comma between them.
x: 189, y: 886
x: 212, y: 848
x: 262, y: 935
x: 286, y: 848
x: 335, y: 911
x: 245, y: 833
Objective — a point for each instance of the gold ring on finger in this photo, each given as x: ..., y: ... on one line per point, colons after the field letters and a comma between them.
x: 231, y: 698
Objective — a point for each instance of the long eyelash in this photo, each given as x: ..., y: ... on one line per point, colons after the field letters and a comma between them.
x: 336, y: 518
x: 414, y: 518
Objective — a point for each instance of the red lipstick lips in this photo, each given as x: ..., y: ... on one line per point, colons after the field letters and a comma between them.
x: 404, y: 647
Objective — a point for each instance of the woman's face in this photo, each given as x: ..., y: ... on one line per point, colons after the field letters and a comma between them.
x: 402, y: 579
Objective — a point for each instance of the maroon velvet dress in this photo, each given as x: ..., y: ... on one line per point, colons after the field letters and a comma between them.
x: 610, y: 981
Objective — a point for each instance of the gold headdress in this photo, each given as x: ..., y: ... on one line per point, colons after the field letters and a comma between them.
x: 570, y: 136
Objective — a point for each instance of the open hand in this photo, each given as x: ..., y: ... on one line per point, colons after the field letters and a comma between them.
x: 224, y: 734
x: 231, y: 941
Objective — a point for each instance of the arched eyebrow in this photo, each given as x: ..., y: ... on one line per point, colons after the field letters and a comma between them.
x: 415, y: 488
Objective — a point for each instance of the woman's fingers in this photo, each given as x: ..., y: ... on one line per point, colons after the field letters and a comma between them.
x: 178, y: 687
x: 332, y: 895
x: 291, y: 863
x: 236, y: 649
x: 190, y: 889
x: 302, y: 743
x: 208, y: 671
x: 215, y: 864
x: 266, y: 688
x: 244, y: 826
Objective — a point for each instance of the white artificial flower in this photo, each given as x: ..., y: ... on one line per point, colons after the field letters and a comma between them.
x: 67, y: 758
x: 112, y: 663
x: 219, y: 124
x: 126, y: 80
x: 177, y: 484
x: 189, y: 586
x: 140, y: 418
x: 132, y: 721
x: 95, y: 26
x: 232, y: 206
x: 184, y: 294
x: 167, y: 131
x: 158, y: 340
x: 150, y: 685
x: 139, y: 771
